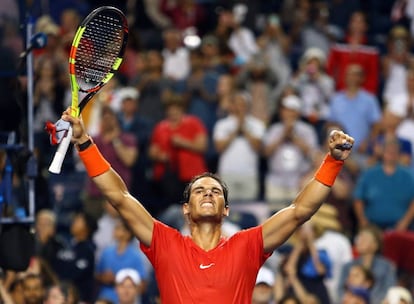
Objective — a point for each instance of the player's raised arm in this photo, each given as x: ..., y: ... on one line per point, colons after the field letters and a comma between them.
x: 278, y: 228
x: 110, y: 183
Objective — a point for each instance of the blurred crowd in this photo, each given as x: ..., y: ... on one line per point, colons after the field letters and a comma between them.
x: 249, y: 90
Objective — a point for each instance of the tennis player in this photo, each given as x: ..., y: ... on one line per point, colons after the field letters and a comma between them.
x: 206, y: 267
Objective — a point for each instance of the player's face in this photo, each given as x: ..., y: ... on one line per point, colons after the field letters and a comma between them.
x: 206, y: 199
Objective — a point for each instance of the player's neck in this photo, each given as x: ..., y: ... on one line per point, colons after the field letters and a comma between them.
x: 206, y: 235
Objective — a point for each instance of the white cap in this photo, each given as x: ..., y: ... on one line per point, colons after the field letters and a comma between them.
x: 266, y: 276
x: 292, y: 102
x: 125, y: 273
x: 316, y: 53
x: 397, y: 293
x: 128, y: 93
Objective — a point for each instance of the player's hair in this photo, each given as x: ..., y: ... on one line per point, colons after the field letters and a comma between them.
x: 187, y: 190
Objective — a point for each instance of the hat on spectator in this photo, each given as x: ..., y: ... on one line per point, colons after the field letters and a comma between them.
x: 314, y: 53
x: 397, y: 293
x: 128, y: 93
x: 126, y: 273
x: 292, y: 102
x: 46, y: 25
x: 327, y: 218
x: 265, y: 276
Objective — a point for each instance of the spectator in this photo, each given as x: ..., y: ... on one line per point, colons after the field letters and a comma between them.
x: 274, y: 45
x: 33, y: 289
x: 176, y: 63
x: 118, y: 146
x: 77, y: 261
x: 104, y: 235
x: 301, y: 271
x: 359, y: 277
x: 128, y: 286
x: 184, y: 14
x: 225, y: 92
x: 388, y: 131
x: 263, y: 292
x: 258, y: 80
x: 395, y: 62
x: 151, y: 85
x: 355, y: 51
x: 354, y: 295
x: 48, y: 242
x: 356, y: 110
x: 384, y: 194
x: 131, y: 121
x: 57, y: 294
x: 241, y: 41
x: 329, y: 237
x: 177, y: 149
x: 201, y: 91
x: 288, y: 147
x: 237, y: 139
x: 124, y: 254
x: 315, y: 89
x: 368, y: 244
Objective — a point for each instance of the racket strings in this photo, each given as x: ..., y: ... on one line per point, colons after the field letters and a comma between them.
x: 98, y: 50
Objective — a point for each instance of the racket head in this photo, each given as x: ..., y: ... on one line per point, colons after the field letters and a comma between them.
x: 97, y: 51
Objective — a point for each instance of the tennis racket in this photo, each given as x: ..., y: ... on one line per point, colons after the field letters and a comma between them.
x: 96, y: 54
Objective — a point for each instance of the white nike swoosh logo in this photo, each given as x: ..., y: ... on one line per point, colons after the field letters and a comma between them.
x: 206, y: 266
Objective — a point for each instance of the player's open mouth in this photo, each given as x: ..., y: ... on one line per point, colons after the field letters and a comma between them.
x: 207, y: 204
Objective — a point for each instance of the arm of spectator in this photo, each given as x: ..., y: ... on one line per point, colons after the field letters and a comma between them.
x: 127, y: 154
x: 222, y: 144
x: 198, y: 144
x: 106, y: 277
x: 406, y: 220
x: 152, y: 8
x: 255, y: 142
x: 359, y: 213
x: 4, y: 294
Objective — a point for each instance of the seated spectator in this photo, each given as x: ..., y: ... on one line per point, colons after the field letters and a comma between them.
x: 354, y: 295
x: 127, y: 284
x: 124, y: 254
x: 56, y: 294
x: 33, y: 289
x: 388, y: 131
x: 329, y: 237
x: 263, y: 292
x: 77, y: 261
x: 384, y: 194
x: 368, y: 244
x: 48, y: 243
x: 359, y: 277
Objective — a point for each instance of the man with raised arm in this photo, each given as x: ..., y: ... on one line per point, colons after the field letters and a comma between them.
x: 206, y: 267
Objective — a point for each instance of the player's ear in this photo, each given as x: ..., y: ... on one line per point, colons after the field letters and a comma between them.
x: 186, y: 209
x: 226, y: 210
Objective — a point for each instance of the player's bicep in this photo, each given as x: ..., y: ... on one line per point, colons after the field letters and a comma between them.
x: 279, y: 227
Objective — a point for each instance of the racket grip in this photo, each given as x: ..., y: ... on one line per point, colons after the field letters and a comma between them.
x: 56, y: 165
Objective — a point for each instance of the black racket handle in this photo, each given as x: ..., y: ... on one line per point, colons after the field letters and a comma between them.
x: 345, y: 146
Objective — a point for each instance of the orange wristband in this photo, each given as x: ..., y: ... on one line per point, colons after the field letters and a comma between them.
x: 329, y: 170
x: 95, y: 163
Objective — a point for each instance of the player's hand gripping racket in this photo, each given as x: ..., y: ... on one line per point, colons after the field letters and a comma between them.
x: 96, y: 54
